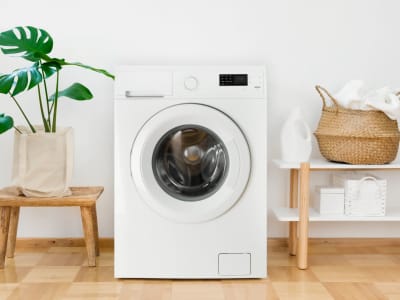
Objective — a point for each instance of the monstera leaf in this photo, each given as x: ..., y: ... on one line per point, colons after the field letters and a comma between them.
x: 28, y: 42
x: 20, y: 80
x: 78, y: 64
x: 76, y: 91
x: 50, y: 68
x: 63, y: 62
x: 26, y: 78
x: 6, y: 123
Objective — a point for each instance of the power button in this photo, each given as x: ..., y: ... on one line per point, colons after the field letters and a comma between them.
x: 191, y: 83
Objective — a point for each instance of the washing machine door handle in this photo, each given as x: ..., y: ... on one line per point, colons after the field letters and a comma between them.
x: 136, y: 94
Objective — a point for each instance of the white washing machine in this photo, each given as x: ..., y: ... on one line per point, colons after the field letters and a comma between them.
x: 190, y: 172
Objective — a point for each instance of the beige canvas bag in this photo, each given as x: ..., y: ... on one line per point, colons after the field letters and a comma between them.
x: 43, y: 162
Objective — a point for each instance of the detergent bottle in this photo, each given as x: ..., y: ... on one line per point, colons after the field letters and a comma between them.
x: 295, y: 138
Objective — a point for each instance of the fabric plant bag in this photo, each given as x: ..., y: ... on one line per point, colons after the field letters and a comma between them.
x: 43, y: 162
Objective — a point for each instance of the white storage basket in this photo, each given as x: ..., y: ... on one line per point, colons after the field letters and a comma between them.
x: 365, y: 196
x: 329, y: 200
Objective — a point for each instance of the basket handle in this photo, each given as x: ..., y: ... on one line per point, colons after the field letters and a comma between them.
x: 368, y: 178
x: 321, y: 92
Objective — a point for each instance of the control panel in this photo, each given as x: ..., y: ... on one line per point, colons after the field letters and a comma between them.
x: 233, y: 79
x: 190, y: 82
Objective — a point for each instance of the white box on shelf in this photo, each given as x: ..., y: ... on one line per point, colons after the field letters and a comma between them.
x: 329, y: 200
x: 364, y: 194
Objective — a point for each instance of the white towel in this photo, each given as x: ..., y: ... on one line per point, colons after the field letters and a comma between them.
x: 354, y: 96
x: 351, y: 95
x: 386, y: 100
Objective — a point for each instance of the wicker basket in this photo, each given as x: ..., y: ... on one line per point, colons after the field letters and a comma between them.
x: 356, y: 136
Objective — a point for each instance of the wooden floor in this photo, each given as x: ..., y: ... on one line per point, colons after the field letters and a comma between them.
x: 340, y: 269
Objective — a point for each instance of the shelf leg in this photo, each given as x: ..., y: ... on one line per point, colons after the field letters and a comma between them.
x: 294, y: 201
x: 302, y: 248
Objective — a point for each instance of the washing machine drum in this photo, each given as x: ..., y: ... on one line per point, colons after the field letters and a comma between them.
x: 190, y: 163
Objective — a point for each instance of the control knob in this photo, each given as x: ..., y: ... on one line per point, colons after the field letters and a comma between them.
x: 191, y: 83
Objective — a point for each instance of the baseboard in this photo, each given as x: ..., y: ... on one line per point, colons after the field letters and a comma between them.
x: 278, y: 242
x: 60, y: 242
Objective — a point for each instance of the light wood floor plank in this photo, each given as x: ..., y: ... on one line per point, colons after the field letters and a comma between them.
x: 98, y: 274
x: 354, y: 290
x: 62, y: 259
x: 13, y: 274
x: 341, y: 274
x: 6, y: 289
x: 370, y: 259
x: 39, y: 291
x: 301, y: 291
x: 391, y: 290
x: 157, y: 289
x: 51, y: 274
x: 290, y: 274
x: 195, y: 290
x: 93, y: 291
x: 249, y: 290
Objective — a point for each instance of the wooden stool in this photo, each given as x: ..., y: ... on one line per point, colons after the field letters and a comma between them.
x: 85, y: 197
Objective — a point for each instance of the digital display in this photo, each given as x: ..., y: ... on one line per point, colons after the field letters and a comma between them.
x: 233, y: 80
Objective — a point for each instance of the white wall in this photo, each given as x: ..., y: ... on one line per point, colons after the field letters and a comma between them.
x: 302, y: 43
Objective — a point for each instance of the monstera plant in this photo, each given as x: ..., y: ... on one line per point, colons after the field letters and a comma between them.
x: 35, y: 45
x: 43, y: 160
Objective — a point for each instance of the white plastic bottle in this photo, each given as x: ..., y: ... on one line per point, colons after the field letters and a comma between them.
x: 295, y: 138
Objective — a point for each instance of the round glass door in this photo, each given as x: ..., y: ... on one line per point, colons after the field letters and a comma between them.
x: 190, y: 162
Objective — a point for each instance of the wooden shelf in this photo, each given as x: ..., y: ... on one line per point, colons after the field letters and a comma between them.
x: 322, y: 164
x: 292, y: 214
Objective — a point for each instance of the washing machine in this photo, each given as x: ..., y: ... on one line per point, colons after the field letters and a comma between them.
x: 190, y: 172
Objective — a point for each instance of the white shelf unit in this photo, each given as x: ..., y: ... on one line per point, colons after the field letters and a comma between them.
x: 298, y: 218
x: 286, y: 214
x: 292, y: 214
x: 322, y: 164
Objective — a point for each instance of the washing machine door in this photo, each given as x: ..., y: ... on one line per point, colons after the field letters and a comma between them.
x: 190, y: 163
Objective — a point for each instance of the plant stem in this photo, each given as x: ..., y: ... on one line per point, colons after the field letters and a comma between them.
x: 23, y: 113
x: 52, y: 106
x: 55, y: 104
x: 47, y: 96
x: 17, y: 130
x: 45, y: 124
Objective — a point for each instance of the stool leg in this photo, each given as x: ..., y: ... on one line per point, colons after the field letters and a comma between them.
x: 88, y: 230
x: 95, y: 229
x: 12, y: 232
x: 4, y: 226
